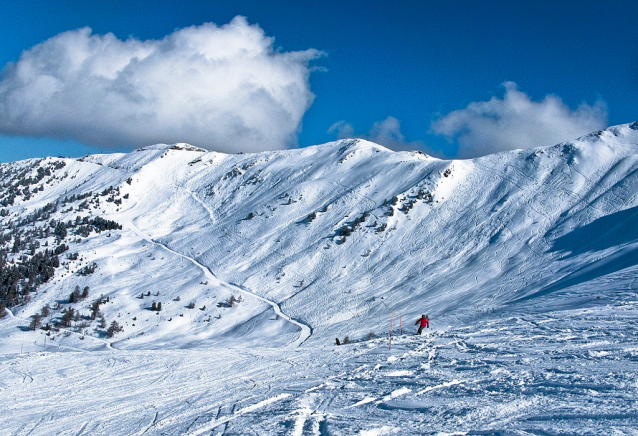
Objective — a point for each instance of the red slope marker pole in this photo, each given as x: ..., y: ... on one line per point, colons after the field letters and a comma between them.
x: 401, y: 321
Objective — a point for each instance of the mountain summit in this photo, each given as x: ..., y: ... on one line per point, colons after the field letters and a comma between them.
x: 335, y: 237
x: 172, y: 290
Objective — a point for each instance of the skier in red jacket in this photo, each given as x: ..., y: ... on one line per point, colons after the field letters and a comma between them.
x: 424, y: 322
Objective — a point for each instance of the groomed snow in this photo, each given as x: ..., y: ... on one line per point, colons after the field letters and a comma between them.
x: 560, y: 372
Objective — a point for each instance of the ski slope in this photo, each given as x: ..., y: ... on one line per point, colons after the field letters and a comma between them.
x: 525, y: 262
x: 562, y: 372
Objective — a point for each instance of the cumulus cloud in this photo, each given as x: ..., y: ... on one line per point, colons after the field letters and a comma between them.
x: 342, y: 129
x: 517, y: 122
x: 220, y: 87
x: 385, y: 132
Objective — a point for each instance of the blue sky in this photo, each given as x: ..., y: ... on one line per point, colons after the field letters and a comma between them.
x: 454, y: 78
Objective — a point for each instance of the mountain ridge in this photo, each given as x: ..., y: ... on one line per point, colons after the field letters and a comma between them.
x: 338, y: 235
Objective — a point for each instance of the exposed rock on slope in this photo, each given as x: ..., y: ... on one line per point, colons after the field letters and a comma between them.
x: 332, y: 238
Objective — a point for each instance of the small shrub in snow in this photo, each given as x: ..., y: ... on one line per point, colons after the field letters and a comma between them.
x: 191, y: 305
x: 61, y: 249
x: 345, y: 231
x: 370, y: 335
x: 87, y: 270
x: 346, y: 340
x: 230, y: 302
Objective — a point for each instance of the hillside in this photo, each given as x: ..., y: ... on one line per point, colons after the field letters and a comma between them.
x: 339, y: 235
x: 295, y: 248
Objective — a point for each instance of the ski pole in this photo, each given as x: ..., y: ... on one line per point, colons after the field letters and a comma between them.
x: 391, y: 326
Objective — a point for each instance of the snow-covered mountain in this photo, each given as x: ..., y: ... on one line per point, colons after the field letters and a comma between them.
x: 292, y: 249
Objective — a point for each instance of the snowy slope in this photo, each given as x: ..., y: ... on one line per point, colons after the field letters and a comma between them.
x: 565, y: 373
x: 330, y: 241
x: 486, y: 232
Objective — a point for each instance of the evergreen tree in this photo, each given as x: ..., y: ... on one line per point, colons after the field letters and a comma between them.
x: 75, y: 295
x: 95, y: 308
x: 60, y: 230
x: 35, y: 322
x: 67, y: 317
x: 113, y: 329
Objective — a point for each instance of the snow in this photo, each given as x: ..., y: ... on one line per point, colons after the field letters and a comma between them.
x: 525, y: 262
x: 524, y: 374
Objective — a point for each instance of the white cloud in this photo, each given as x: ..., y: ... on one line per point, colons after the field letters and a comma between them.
x: 342, y: 129
x: 386, y: 132
x: 517, y: 122
x: 224, y: 88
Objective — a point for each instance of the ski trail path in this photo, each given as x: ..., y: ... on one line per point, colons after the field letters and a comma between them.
x: 306, y: 331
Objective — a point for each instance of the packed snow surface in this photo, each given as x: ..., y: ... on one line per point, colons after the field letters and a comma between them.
x: 525, y: 262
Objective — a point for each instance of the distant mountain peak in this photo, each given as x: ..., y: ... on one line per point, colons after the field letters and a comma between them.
x: 180, y: 146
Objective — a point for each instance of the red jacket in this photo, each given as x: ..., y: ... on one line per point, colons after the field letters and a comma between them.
x: 424, y: 322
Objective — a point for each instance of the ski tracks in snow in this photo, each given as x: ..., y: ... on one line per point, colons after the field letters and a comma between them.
x: 305, y: 332
x: 107, y: 344
x: 520, y: 374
